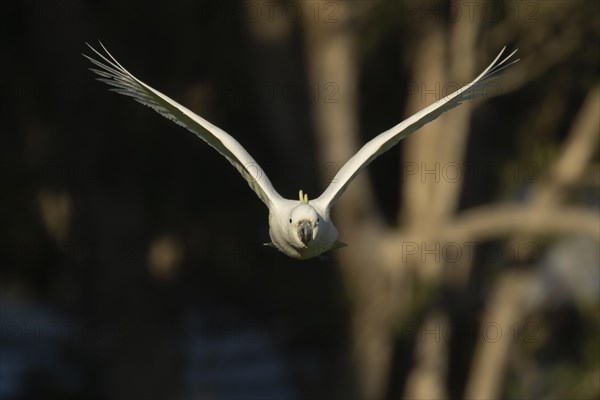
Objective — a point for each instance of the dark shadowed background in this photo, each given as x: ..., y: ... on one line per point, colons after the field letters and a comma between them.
x: 132, y: 263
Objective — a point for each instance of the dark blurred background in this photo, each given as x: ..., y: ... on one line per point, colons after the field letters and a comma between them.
x: 132, y: 258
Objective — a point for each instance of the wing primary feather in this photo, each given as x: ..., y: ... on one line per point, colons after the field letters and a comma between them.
x: 115, y: 73
x: 112, y: 62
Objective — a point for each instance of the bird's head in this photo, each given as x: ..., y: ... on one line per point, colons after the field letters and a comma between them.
x: 304, y: 221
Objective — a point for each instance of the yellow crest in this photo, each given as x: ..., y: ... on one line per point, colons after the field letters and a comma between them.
x: 303, y: 197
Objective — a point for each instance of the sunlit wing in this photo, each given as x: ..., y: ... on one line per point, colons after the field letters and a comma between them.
x: 386, y: 140
x: 113, y: 73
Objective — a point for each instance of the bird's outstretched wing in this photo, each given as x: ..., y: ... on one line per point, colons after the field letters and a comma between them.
x: 386, y: 140
x: 113, y: 73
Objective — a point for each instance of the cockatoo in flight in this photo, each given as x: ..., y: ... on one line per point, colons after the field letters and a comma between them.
x: 299, y: 228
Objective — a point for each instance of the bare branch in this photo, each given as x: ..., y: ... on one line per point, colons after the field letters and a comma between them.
x: 580, y: 147
x: 496, y: 221
x: 491, y: 354
x: 427, y: 379
x: 428, y: 68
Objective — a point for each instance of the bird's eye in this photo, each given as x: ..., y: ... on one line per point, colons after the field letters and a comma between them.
x: 290, y: 220
x: 317, y: 220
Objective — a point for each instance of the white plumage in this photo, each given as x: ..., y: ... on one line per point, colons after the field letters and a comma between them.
x: 299, y: 228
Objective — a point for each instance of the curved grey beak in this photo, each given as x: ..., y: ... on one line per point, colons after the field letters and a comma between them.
x: 305, y: 232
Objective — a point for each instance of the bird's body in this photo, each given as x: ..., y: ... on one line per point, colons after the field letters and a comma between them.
x: 298, y: 228
x: 288, y: 218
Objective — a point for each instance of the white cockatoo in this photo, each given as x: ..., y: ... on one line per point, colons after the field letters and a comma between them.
x: 299, y: 228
